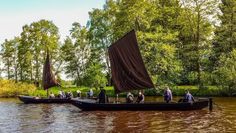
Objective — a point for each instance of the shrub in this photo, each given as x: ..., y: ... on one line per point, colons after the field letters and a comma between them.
x: 9, y: 88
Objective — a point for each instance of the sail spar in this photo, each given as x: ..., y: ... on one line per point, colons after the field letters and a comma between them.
x: 127, y: 67
x: 48, y: 77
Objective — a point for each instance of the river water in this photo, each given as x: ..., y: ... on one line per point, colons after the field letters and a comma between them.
x: 16, y: 117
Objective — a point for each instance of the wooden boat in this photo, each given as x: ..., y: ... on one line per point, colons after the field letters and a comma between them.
x: 129, y: 73
x: 48, y: 81
x: 31, y: 99
x: 92, y: 105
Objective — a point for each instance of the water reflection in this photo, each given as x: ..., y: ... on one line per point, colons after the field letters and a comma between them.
x: 18, y: 117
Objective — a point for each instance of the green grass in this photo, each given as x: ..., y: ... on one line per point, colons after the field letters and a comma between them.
x: 177, y: 91
x: 9, y: 88
x: 83, y: 89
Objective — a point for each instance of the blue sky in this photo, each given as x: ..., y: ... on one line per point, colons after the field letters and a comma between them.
x: 16, y: 13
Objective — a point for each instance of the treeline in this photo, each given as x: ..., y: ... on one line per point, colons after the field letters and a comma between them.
x: 183, y: 42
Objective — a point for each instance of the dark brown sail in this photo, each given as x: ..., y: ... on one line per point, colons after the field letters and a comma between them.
x: 48, y: 77
x: 127, y: 67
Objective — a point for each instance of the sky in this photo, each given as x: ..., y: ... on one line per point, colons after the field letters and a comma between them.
x: 16, y: 13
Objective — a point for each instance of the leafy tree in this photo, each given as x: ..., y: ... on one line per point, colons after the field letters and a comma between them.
x: 226, y: 72
x: 101, y: 29
x: 195, y: 35
x: 225, y: 33
x: 9, y: 56
x: 76, y: 52
x: 94, y: 75
x: 160, y: 56
x: 25, y: 56
x: 36, y: 39
x: 146, y: 17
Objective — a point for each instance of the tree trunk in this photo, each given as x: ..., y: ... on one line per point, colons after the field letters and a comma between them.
x: 108, y: 67
x: 37, y: 70
x: 21, y: 74
x: 16, y: 73
x: 8, y: 69
x: 198, y: 50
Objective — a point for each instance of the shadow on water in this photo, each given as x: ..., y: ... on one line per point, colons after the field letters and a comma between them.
x: 18, y: 117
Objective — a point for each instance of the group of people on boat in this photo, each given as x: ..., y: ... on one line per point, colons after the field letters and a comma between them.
x: 168, y: 96
x: 103, y: 98
x: 62, y: 95
x: 130, y: 98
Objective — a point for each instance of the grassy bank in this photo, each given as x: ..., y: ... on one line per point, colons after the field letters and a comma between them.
x: 177, y: 91
x: 9, y: 88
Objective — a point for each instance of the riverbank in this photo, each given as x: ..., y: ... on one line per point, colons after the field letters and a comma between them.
x: 177, y: 91
x: 9, y: 88
x: 207, y: 91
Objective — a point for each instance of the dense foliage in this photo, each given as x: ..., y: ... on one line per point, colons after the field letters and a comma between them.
x: 9, y: 88
x: 182, y: 42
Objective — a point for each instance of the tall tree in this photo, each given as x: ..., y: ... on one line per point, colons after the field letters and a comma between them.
x: 9, y: 56
x: 76, y: 52
x: 226, y: 72
x: 147, y: 17
x: 225, y: 33
x: 37, y: 38
x: 101, y: 31
x: 25, y: 56
x: 195, y: 35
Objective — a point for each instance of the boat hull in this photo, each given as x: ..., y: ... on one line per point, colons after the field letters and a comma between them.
x: 30, y: 99
x: 93, y: 105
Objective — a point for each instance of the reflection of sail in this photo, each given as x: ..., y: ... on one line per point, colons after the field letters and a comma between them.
x: 48, y: 77
x: 128, y: 70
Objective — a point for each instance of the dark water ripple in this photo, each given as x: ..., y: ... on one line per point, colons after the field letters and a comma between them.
x: 16, y: 117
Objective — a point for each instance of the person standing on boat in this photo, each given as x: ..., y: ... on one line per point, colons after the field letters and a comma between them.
x: 130, y: 98
x: 140, y: 98
x: 90, y: 93
x: 102, y: 97
x: 167, y: 95
x: 188, y: 97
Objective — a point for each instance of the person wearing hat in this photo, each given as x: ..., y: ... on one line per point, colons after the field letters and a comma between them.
x: 140, y: 98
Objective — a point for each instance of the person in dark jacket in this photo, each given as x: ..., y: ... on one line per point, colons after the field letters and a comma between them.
x: 140, y: 98
x: 102, y: 97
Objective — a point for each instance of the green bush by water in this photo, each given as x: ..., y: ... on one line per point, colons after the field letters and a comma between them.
x: 9, y: 88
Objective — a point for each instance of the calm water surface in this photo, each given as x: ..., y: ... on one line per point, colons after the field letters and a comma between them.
x: 28, y: 118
